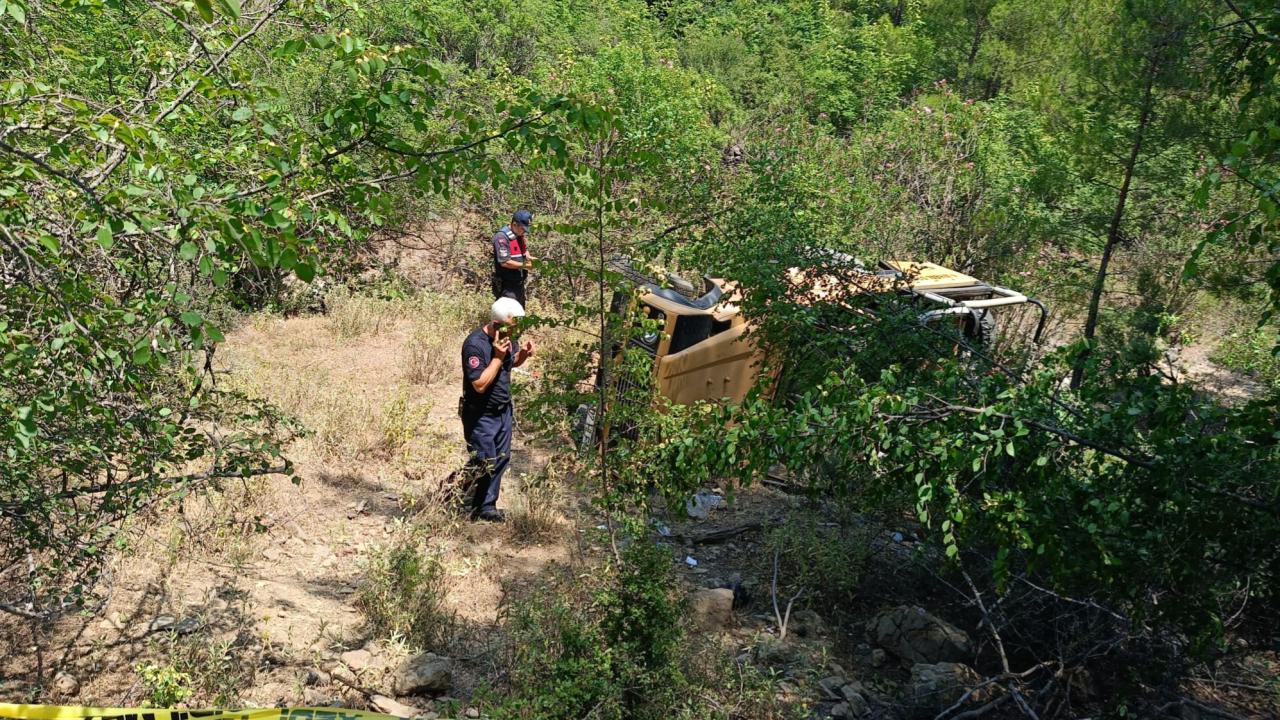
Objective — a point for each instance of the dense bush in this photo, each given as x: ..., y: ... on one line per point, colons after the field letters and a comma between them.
x: 610, y: 650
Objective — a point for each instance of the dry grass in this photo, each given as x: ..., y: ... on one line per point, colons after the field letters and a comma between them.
x: 440, y: 323
x: 429, y: 356
x: 353, y: 315
x: 537, y: 509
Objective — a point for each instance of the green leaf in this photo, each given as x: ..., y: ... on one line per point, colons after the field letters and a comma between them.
x: 304, y: 271
x: 291, y: 47
x: 142, y: 353
x: 17, y: 12
x: 105, y: 238
x: 242, y: 113
x: 188, y: 251
x: 191, y: 319
x: 205, y: 9
x: 230, y: 7
x: 213, y: 333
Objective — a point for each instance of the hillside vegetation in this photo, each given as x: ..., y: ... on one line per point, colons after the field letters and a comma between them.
x: 242, y: 240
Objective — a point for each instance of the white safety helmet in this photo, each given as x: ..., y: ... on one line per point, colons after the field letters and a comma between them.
x: 505, y: 308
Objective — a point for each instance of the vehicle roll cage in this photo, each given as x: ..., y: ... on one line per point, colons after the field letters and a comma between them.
x: 995, y: 296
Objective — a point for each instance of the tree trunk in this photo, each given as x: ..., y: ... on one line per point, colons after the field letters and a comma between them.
x: 1113, y: 229
x: 970, y: 82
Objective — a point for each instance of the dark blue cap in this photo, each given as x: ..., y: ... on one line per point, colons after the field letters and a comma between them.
x: 524, y: 217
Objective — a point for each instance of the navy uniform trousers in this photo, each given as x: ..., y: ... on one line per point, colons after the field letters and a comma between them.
x: 515, y: 292
x: 489, y: 442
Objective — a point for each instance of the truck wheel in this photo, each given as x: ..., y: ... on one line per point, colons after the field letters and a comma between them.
x: 981, y: 327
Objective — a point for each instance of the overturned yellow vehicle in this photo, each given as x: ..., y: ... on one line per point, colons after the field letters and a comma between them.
x: 703, y: 347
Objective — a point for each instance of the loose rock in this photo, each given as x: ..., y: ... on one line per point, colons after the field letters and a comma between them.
x: 391, y: 707
x: 852, y: 689
x: 712, y: 609
x: 918, y: 637
x: 317, y: 677
x: 858, y: 705
x: 831, y: 686
x: 934, y: 687
x: 185, y: 626
x: 877, y: 657
x: 425, y: 674
x: 314, y: 698
x: 343, y: 674
x: 773, y: 652
x: 66, y: 684
x: 807, y: 624
x: 841, y: 711
x: 357, y: 659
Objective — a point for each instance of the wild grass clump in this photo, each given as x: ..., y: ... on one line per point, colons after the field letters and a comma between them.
x: 440, y: 322
x: 400, y: 420
x: 430, y: 357
x: 403, y: 593
x: 342, y: 423
x: 535, y: 510
x: 352, y: 315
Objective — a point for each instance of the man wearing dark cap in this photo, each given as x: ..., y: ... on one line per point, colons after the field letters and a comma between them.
x: 511, y: 258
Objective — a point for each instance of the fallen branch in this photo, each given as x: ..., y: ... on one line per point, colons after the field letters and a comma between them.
x: 718, y: 536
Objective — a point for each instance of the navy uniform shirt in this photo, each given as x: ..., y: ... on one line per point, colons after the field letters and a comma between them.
x: 477, y: 351
x: 508, y: 246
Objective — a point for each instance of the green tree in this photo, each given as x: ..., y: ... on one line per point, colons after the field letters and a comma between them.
x: 1137, y: 79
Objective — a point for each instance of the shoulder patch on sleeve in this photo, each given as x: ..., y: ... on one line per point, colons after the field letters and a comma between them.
x: 474, y: 362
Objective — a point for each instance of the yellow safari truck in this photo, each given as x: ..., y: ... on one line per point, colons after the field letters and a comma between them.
x: 705, y: 350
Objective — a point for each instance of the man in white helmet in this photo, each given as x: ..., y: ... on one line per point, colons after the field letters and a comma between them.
x: 486, y: 408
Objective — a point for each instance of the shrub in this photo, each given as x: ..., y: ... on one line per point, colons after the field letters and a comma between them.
x: 197, y: 668
x: 559, y: 661
x: 403, y: 594
x: 824, y: 560
x: 1252, y: 352
x: 606, y: 650
x: 164, y: 685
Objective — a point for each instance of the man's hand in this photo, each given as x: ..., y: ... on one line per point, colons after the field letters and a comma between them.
x: 501, y: 346
x: 526, y: 351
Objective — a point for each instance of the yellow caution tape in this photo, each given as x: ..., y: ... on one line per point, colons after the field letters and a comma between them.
x: 72, y: 712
